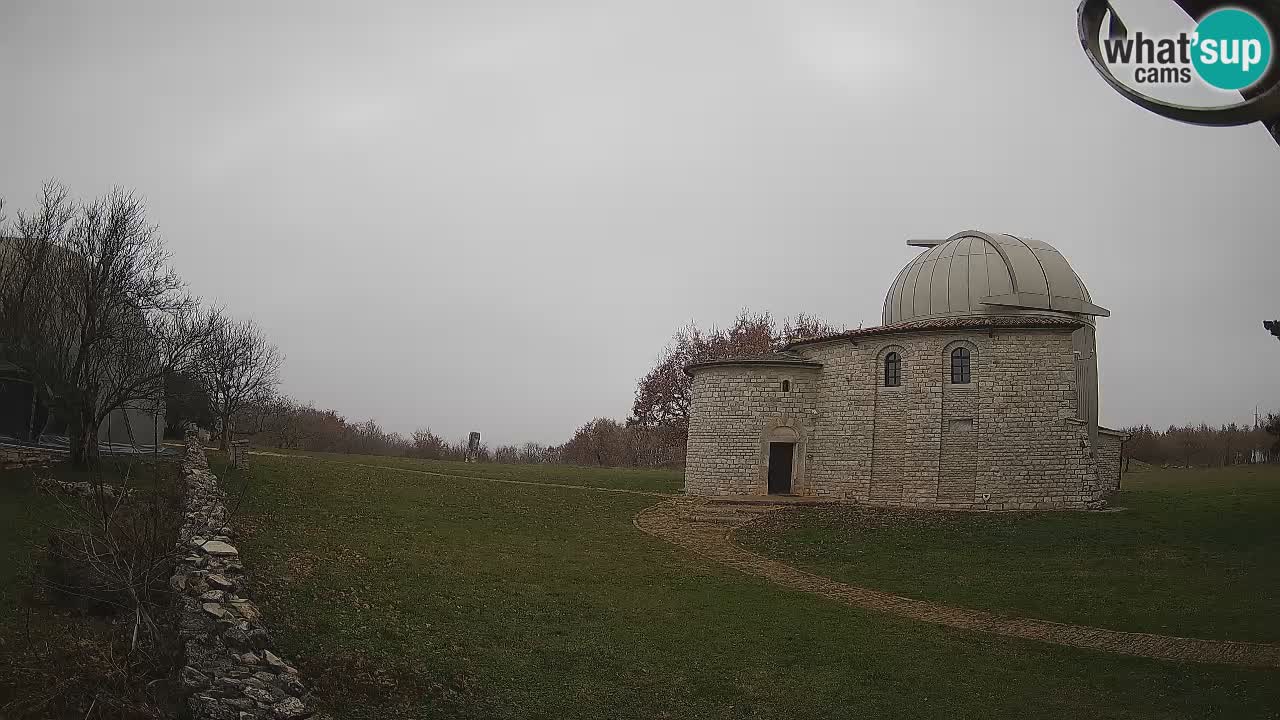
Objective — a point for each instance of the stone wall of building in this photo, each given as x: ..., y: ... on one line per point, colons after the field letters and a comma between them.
x: 1109, y: 455
x: 734, y: 412
x: 1007, y: 440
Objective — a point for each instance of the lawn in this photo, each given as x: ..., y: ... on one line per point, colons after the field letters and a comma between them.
x: 406, y: 595
x: 57, y: 661
x: 26, y: 517
x: 1193, y: 553
x: 658, y: 481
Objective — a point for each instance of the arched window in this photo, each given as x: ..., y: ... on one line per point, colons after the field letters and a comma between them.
x: 960, y: 366
x: 786, y: 386
x: 892, y: 370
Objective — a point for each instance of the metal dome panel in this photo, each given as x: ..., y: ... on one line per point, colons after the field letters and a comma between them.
x: 978, y: 273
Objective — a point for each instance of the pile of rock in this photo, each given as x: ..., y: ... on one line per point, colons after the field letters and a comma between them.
x: 12, y: 458
x: 231, y: 671
x: 78, y: 489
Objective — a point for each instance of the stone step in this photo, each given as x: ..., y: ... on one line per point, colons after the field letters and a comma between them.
x: 742, y: 509
x: 721, y: 513
x: 717, y: 519
x: 770, y: 501
x: 712, y: 507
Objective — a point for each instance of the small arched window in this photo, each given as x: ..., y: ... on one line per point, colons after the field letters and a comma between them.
x: 892, y: 370
x: 786, y: 386
x: 960, y: 371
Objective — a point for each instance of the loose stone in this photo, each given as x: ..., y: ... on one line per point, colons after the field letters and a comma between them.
x: 218, y: 547
x: 246, y: 610
x: 193, y: 678
x: 290, y: 709
x: 219, y: 582
x: 273, y: 661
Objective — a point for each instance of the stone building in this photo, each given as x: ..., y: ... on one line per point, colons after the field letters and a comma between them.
x: 979, y: 391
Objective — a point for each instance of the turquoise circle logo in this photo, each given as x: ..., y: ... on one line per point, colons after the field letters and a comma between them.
x: 1233, y: 49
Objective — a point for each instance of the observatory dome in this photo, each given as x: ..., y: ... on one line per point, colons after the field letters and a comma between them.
x: 979, y: 273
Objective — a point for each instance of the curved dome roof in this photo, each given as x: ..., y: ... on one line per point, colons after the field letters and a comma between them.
x: 978, y: 273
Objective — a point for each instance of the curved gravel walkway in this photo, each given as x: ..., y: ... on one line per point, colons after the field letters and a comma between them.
x: 706, y: 527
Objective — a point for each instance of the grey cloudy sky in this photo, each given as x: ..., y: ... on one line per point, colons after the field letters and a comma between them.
x: 492, y: 216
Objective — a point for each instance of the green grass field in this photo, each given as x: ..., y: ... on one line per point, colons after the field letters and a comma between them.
x: 406, y: 595
x: 27, y: 516
x: 25, y: 519
x: 52, y: 657
x: 1194, y: 553
x: 657, y: 481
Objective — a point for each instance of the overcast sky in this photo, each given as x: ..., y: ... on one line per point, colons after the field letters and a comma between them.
x: 492, y: 216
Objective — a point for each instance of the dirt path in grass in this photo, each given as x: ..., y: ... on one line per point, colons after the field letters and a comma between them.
x: 706, y: 527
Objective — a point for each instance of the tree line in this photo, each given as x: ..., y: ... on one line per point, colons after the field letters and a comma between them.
x: 1203, y: 445
x: 654, y: 436
x: 656, y: 433
x: 282, y: 423
x: 98, y: 321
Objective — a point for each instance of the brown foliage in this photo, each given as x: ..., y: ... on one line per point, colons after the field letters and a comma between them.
x: 429, y: 446
x: 605, y: 442
x: 282, y: 422
x: 663, y: 394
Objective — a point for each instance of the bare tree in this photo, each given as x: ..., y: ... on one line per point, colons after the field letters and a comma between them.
x: 282, y: 422
x: 532, y: 453
x: 430, y: 446
x: 240, y: 368
x: 369, y: 438
x: 663, y: 395
x: 91, y: 309
x: 805, y: 327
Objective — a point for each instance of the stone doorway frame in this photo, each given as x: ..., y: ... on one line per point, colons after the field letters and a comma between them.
x: 783, y: 430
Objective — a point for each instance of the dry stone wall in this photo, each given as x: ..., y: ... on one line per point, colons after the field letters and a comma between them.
x: 232, y: 671
x: 1008, y: 440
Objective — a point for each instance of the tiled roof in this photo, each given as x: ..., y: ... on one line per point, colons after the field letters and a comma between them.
x: 773, y: 358
x: 976, y: 322
x: 950, y: 323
